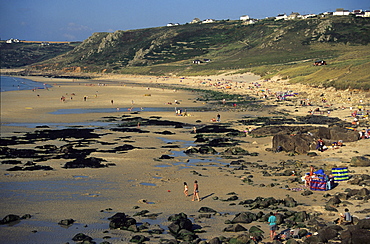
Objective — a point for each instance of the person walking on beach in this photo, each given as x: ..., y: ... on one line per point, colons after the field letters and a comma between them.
x: 186, y: 189
x: 196, y: 191
x: 272, y: 224
x: 218, y: 118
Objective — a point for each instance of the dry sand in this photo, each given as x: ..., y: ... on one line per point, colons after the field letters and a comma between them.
x: 82, y: 194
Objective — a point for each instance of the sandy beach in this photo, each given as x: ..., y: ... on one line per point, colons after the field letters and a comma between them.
x: 140, y: 178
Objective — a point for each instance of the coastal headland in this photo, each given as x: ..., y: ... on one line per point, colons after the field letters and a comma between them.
x: 87, y: 149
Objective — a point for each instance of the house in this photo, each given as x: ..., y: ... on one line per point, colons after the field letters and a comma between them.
x: 195, y: 20
x: 172, y: 24
x: 244, y: 18
x: 281, y: 16
x: 12, y: 40
x: 197, y: 61
x: 358, y: 13
x: 306, y: 16
x: 367, y: 14
x: 294, y: 16
x: 208, y: 21
x: 341, y: 12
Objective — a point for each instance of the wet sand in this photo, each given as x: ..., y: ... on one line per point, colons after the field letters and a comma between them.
x: 90, y: 196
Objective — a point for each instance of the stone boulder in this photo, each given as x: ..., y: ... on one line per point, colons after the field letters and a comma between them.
x: 364, y: 224
x: 181, y: 227
x: 245, y: 217
x: 121, y: 221
x: 293, y: 143
x: 9, y: 218
x: 329, y: 232
x: 290, y: 202
x: 235, y: 228
x: 360, y: 161
x: 355, y: 235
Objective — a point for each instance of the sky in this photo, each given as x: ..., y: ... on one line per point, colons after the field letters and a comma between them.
x: 76, y: 20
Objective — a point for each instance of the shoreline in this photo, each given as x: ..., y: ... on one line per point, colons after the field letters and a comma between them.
x: 91, y: 195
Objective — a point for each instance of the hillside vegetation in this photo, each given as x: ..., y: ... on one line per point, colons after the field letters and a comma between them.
x: 268, y: 48
x: 20, y: 54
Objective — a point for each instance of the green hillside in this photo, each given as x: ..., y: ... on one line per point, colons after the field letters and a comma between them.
x: 285, y: 47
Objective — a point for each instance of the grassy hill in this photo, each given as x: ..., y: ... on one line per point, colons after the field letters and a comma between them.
x: 286, y: 48
x: 20, y: 54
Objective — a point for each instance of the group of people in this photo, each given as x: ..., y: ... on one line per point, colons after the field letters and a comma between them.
x: 195, y: 191
x: 345, y: 218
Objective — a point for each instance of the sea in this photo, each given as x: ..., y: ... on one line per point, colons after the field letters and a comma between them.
x: 9, y: 83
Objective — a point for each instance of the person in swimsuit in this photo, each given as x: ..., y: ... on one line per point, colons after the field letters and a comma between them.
x: 196, y: 191
x: 186, y: 189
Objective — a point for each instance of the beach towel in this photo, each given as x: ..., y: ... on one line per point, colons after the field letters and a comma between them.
x: 340, y: 174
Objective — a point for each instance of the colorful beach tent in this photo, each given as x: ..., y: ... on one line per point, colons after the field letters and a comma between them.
x: 340, y: 174
x: 317, y: 185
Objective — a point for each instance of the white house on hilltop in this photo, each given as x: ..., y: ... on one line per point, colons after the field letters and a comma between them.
x: 244, y: 18
x: 12, y: 40
x: 341, y: 12
x: 208, y: 21
x: 281, y: 16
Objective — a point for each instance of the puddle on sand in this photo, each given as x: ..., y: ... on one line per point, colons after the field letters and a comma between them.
x: 147, y: 184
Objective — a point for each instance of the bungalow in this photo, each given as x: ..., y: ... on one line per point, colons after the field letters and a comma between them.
x: 195, y: 20
x: 341, y: 12
x: 208, y: 21
x: 12, y: 40
x: 281, y: 16
x: 244, y: 18
x: 367, y: 14
x: 197, y: 61
x: 294, y: 16
x: 172, y: 24
x: 306, y: 16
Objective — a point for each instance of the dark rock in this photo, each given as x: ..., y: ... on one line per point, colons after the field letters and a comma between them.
x: 293, y: 143
x: 85, y: 163
x: 360, y: 161
x: 215, y: 240
x: 166, y: 157
x: 121, y: 221
x: 290, y: 202
x: 191, y: 150
x: 333, y: 201
x: 9, y: 218
x: 206, y: 210
x: 138, y: 239
x: 235, y: 228
x: 312, y: 240
x: 364, y: 224
x: 363, y: 192
x: 235, y: 151
x: 181, y: 227
x: 329, y: 232
x: 256, y: 232
x: 300, y: 216
x: 330, y: 208
x: 244, y: 217
x: 66, y: 222
x: 207, y: 150
x: 355, y: 235
x: 306, y: 193
x: 80, y: 237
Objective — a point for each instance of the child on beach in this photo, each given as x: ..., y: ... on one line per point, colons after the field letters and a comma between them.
x: 186, y: 189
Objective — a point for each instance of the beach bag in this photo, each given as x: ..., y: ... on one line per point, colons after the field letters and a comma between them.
x: 340, y: 174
